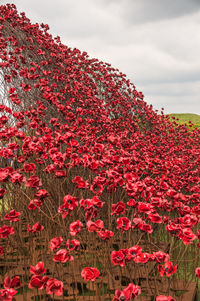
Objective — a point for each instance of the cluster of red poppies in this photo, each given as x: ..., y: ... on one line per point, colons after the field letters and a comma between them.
x: 69, y: 119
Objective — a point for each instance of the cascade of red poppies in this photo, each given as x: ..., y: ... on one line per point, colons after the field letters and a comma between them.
x: 81, y: 150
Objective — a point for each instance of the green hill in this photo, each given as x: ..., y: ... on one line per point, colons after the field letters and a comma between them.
x: 186, y: 118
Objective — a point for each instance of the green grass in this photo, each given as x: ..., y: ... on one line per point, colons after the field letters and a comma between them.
x: 186, y: 118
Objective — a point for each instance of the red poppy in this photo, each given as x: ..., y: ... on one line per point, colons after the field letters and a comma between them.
x: 12, y: 216
x: 123, y: 223
x: 33, y: 181
x: 105, y: 234
x: 62, y: 256
x: 38, y: 268
x: 29, y: 167
x: 118, y: 208
x: 130, y: 292
x: 34, y: 204
x: 55, y: 243
x: 11, y: 283
x: 36, y: 282
x: 187, y: 236
x: 80, y: 182
x: 159, y: 256
x: 36, y: 227
x: 118, y: 258
x: 197, y: 271
x: 7, y: 294
x: 6, y: 230
x: 73, y: 244
x: 54, y: 286
x: 90, y: 273
x: 41, y: 194
x: 95, y: 226
x: 168, y: 269
x: 75, y: 228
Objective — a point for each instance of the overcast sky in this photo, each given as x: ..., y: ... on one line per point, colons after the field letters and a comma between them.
x: 156, y: 43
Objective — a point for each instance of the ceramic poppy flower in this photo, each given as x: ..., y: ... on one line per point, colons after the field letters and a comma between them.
x: 6, y: 230
x: 128, y: 293
x: 7, y: 294
x: 35, y: 228
x: 90, y: 273
x: 11, y: 283
x: 55, y: 243
x: 197, y: 271
x: 168, y: 269
x: 62, y: 256
x: 159, y: 256
x: 75, y: 227
x: 95, y: 226
x: 105, y: 234
x: 118, y: 208
x: 118, y: 258
x: 36, y: 282
x: 54, y: 286
x: 12, y: 216
x: 73, y: 244
x: 33, y: 181
x: 123, y: 223
x: 38, y: 268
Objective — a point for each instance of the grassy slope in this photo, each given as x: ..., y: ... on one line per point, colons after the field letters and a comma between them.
x: 186, y: 117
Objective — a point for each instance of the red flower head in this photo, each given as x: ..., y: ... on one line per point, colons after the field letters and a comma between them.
x: 168, y: 269
x: 90, y: 273
x: 80, y: 182
x: 187, y: 236
x: 12, y: 216
x: 197, y: 271
x: 73, y: 244
x: 70, y: 203
x: 135, y: 250
x: 36, y: 227
x: 123, y: 223
x: 34, y: 204
x: 55, y: 243
x: 62, y: 256
x: 6, y: 230
x: 4, y: 174
x: 75, y: 228
x: 54, y: 286
x: 142, y: 258
x: 36, y: 282
x: 7, y: 294
x: 41, y: 194
x: 105, y: 234
x: 33, y: 181
x: 38, y: 268
x: 11, y: 283
x: 128, y: 293
x: 118, y: 208
x: 118, y: 257
x: 95, y: 226
x: 29, y: 167
x: 159, y: 256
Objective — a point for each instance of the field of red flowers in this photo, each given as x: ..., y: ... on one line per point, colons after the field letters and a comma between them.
x: 100, y: 195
